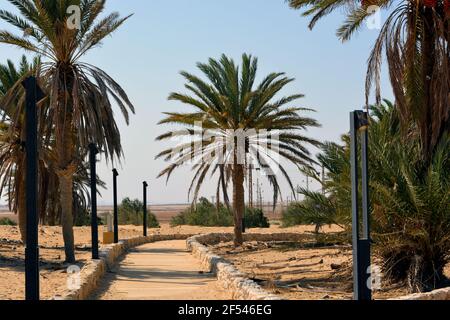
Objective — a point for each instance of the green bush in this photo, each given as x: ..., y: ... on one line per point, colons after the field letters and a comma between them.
x: 254, y: 218
x: 7, y: 222
x: 316, y: 209
x: 130, y: 213
x: 206, y: 214
x: 292, y: 215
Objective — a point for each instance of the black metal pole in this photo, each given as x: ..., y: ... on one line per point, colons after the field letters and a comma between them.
x: 93, y: 151
x: 145, y: 207
x: 31, y: 185
x: 116, y: 213
x: 361, y: 243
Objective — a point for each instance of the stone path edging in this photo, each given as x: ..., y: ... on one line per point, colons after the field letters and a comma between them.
x: 93, y: 271
x: 440, y: 294
x: 229, y: 277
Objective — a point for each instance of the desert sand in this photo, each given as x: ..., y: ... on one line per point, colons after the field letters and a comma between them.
x: 53, y: 270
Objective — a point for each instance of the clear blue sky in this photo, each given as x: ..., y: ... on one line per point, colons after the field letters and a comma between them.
x: 164, y: 37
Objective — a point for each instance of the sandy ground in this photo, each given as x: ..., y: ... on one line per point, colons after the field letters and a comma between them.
x: 301, y: 272
x: 53, y: 270
x: 163, y: 212
x: 295, y: 271
x: 165, y: 271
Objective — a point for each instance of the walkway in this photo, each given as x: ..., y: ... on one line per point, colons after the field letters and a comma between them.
x: 160, y: 271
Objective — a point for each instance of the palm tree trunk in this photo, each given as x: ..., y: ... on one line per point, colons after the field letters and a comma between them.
x: 238, y: 202
x: 66, y: 196
x: 65, y: 172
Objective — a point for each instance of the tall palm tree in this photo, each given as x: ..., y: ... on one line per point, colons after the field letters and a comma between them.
x: 12, y: 133
x: 416, y: 40
x: 79, y: 109
x: 233, y: 114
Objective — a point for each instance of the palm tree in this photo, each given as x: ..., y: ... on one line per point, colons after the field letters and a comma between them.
x: 409, y: 210
x: 233, y: 114
x: 416, y: 40
x: 12, y: 131
x: 79, y: 110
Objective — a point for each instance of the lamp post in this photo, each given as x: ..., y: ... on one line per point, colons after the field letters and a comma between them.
x: 361, y: 236
x: 145, y: 206
x: 116, y: 212
x: 93, y: 151
x: 33, y: 94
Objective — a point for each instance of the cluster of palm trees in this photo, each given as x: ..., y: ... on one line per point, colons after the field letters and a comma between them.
x: 410, y: 149
x: 75, y: 112
x: 409, y: 140
x: 409, y: 196
x: 411, y: 184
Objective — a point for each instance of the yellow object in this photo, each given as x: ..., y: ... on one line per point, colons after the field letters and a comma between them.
x: 108, y: 237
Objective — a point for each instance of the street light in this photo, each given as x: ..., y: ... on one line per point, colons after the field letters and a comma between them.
x: 145, y: 207
x: 33, y: 94
x: 93, y: 151
x: 359, y: 122
x: 116, y: 212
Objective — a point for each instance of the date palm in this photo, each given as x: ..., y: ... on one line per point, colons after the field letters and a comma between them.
x: 415, y: 39
x: 410, y: 211
x: 233, y: 114
x: 79, y: 110
x: 12, y: 132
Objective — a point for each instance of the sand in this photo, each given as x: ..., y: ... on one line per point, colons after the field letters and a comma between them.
x: 53, y: 270
x: 166, y: 271
x: 299, y: 272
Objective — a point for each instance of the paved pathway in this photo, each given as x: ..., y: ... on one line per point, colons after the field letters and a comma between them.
x: 160, y: 271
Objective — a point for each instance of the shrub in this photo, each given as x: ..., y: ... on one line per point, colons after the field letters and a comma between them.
x: 316, y: 209
x: 7, y: 222
x: 206, y: 214
x: 130, y: 213
x: 254, y: 218
x: 292, y: 215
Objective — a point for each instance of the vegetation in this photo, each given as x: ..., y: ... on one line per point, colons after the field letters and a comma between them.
x: 77, y: 107
x: 410, y: 210
x: 204, y: 213
x: 414, y: 39
x: 228, y: 105
x: 410, y: 204
x: 7, y: 222
x: 316, y: 209
x: 237, y: 126
x: 409, y: 174
x: 131, y: 213
x: 255, y: 218
x: 12, y: 131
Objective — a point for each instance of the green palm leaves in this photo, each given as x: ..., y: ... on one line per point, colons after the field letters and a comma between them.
x: 78, y: 109
x: 229, y: 106
x: 72, y: 84
x: 410, y: 199
x: 235, y: 127
x: 414, y: 39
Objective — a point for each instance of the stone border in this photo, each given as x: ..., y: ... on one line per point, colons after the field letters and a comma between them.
x: 241, y: 288
x: 440, y: 294
x: 93, y: 271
